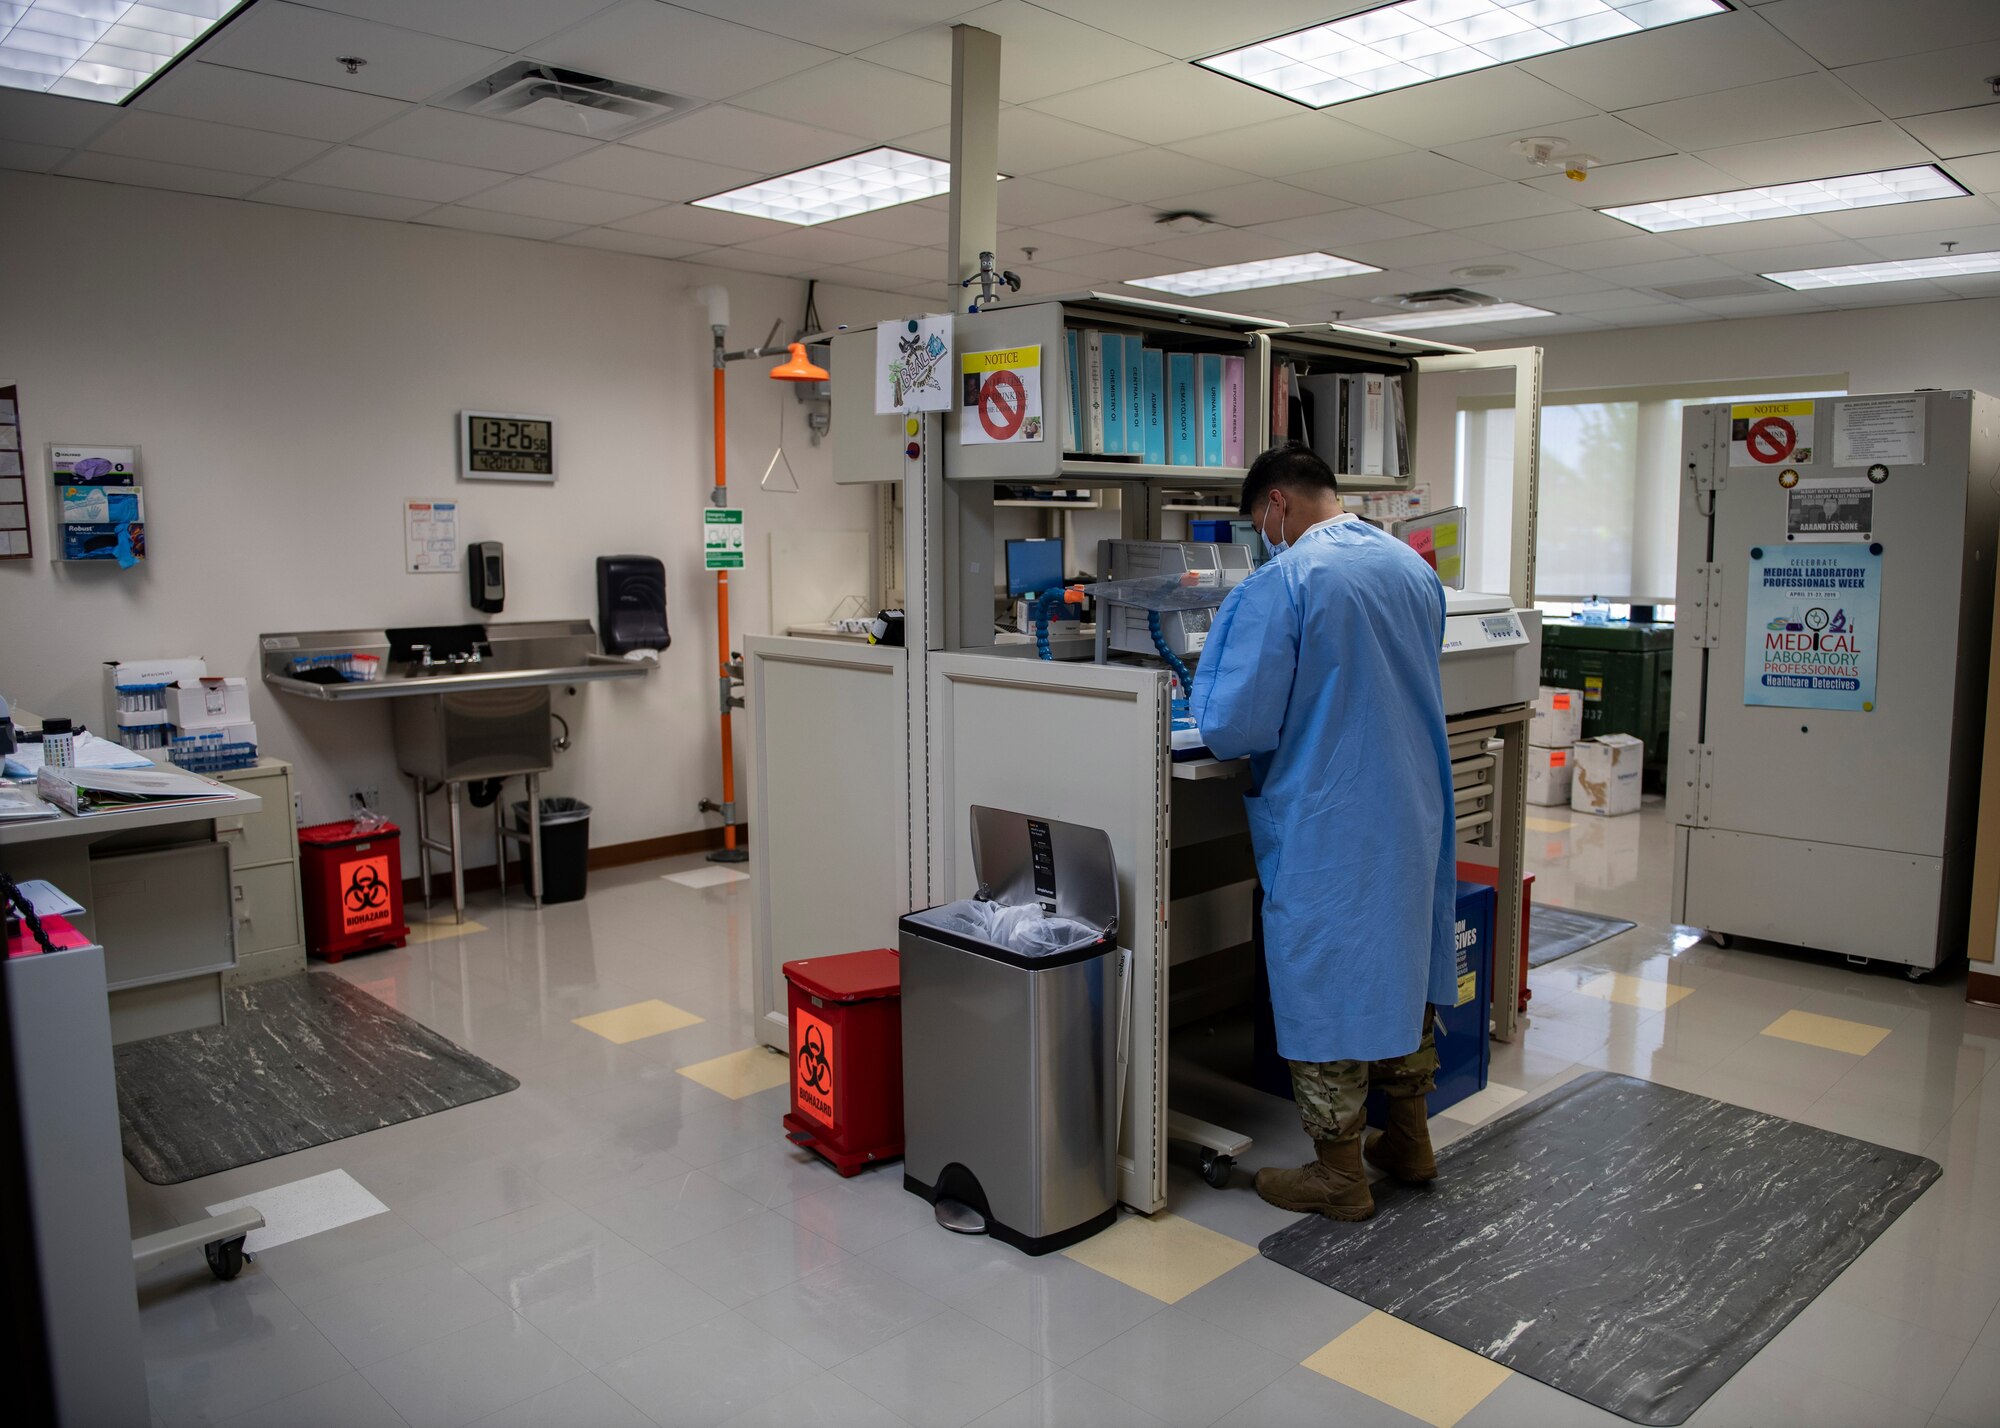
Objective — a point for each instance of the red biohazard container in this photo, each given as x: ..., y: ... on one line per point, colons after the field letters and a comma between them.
x: 353, y: 886
x: 847, y: 1057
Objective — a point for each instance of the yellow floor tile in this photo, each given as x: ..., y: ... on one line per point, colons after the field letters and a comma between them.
x: 1634, y: 991
x: 1401, y: 1365
x: 741, y: 1073
x: 1547, y: 825
x: 1857, y: 1038
x: 638, y: 1021
x: 1162, y: 1255
x: 439, y: 931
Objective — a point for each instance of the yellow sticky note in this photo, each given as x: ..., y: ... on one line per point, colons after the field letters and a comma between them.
x: 1447, y: 534
x: 1448, y: 568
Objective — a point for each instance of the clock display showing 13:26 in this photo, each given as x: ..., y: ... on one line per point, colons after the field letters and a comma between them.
x: 505, y: 446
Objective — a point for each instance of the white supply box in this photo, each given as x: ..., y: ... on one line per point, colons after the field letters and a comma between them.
x: 135, y: 691
x: 210, y: 701
x: 1607, y: 771
x: 1549, y: 773
x: 1558, y: 720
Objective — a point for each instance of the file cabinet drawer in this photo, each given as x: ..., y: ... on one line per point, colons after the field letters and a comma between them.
x: 266, y: 903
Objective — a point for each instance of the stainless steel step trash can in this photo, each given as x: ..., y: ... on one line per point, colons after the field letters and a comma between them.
x: 1010, y: 1038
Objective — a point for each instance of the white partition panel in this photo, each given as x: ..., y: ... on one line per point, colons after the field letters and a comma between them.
x: 1082, y: 743
x: 829, y: 805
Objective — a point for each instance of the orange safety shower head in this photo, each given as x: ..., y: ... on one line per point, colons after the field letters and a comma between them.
x: 798, y: 367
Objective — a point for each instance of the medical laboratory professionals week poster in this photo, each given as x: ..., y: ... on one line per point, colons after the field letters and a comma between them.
x: 1814, y: 618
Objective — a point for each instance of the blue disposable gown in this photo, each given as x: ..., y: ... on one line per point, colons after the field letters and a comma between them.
x: 1322, y: 667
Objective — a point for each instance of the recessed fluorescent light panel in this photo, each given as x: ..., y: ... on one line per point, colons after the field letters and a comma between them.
x: 1414, y: 41
x: 98, y: 49
x: 1453, y: 317
x: 1949, y: 265
x: 1790, y: 200
x: 860, y: 183
x: 1264, y: 273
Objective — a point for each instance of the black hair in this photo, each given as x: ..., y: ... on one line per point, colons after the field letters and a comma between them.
x: 1295, y: 467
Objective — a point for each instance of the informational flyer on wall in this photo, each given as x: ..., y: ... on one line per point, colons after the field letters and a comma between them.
x: 913, y: 365
x: 1835, y: 510
x: 430, y: 537
x: 1812, y: 628
x: 1002, y: 398
x: 1887, y: 431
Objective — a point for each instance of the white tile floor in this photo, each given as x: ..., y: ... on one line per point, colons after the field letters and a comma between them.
x: 615, y: 1243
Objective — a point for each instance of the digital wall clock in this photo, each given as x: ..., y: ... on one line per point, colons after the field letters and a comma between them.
x: 506, y: 446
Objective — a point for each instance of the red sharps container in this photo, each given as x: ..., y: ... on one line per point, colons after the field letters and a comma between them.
x: 353, y: 887
x: 847, y: 1057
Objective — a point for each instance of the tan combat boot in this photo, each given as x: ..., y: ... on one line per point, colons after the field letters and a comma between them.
x: 1334, y: 1185
x: 1403, y: 1149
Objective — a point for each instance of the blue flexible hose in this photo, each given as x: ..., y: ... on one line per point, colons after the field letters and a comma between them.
x: 1166, y: 650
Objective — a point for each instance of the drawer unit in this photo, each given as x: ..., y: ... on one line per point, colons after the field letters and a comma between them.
x: 266, y: 901
x: 264, y: 876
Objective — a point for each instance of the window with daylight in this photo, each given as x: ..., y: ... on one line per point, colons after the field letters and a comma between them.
x: 1610, y: 494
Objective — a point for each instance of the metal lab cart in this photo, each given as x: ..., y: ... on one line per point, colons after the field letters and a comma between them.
x: 1010, y: 1059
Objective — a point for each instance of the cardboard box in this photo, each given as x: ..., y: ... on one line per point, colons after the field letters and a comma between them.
x: 1558, y: 720
x: 1607, y: 771
x: 209, y: 701
x: 135, y: 691
x: 1549, y: 773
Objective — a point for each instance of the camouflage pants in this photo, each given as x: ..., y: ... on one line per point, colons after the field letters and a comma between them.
x: 1333, y: 1095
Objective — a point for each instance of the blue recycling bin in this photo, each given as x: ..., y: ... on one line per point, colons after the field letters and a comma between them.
x: 1465, y: 1031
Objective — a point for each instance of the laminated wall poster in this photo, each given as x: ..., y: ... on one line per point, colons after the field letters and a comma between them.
x: 1813, y: 623
x: 15, y: 541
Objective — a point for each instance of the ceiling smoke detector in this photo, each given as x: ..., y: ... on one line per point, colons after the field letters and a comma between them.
x: 1552, y: 151
x: 567, y: 100
x: 1185, y: 220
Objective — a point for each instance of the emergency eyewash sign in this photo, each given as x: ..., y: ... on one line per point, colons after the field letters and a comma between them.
x: 1813, y: 624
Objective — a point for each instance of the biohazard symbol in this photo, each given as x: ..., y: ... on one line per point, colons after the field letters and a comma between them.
x: 813, y: 1066
x: 365, y: 901
x: 367, y: 890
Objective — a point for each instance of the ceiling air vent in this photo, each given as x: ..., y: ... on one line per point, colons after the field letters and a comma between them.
x: 567, y: 100
x: 1436, y: 300
x: 1718, y: 288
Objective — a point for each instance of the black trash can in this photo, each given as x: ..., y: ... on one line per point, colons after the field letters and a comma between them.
x: 565, y: 846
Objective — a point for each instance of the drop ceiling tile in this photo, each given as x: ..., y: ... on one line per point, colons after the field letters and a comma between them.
x: 745, y: 261
x: 701, y: 225
x: 1801, y: 104
x: 1649, y: 315
x: 670, y: 47
x: 910, y: 263
x: 571, y: 203
x: 1730, y: 238
x: 1666, y: 272
x: 1456, y: 272
x: 1131, y: 226
x: 467, y: 139
x: 1855, y: 149
x: 1791, y: 257
x: 617, y: 241
x: 845, y: 25
x: 1466, y: 207
x: 1549, y: 290
x: 300, y: 43
x: 624, y: 169
x: 1288, y: 146
x: 1419, y: 249
x: 1048, y: 246
x: 1037, y: 203
x: 745, y: 139
x: 51, y: 118
x: 907, y: 224
x: 1526, y: 235
x: 397, y: 174
x: 501, y: 24
x: 1959, y: 131
x: 1606, y: 139
x: 1385, y: 180
x: 1115, y: 265
x: 1505, y: 99
x: 1943, y: 213
x: 819, y: 247
x: 856, y: 98
x: 1973, y: 285
x: 1600, y: 300
x: 1143, y: 175
x: 148, y: 173
x: 1216, y: 247
x: 860, y: 278
x: 1167, y: 105
x: 196, y: 142
x: 1888, y: 295
x: 1041, y: 53
x: 1980, y: 173
x: 1031, y: 142
x: 1612, y: 253
x: 1971, y: 239
x: 1332, y: 232
x: 1845, y: 32
x: 1641, y: 181
x: 261, y: 101
x: 1241, y: 205
x: 35, y: 158
x: 1698, y: 57
x: 507, y: 225
x: 289, y: 194
x: 1952, y: 78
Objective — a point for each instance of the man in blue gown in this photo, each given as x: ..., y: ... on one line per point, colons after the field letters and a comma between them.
x: 1322, y: 668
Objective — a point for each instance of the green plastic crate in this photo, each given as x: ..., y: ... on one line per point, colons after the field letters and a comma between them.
x: 1626, y: 674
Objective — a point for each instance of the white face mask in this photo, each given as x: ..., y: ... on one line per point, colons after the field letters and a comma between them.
x: 1273, y: 548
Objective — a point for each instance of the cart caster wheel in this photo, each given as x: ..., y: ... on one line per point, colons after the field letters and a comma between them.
x: 1215, y: 1168
x: 225, y: 1257
x: 1916, y: 974
x: 1720, y: 939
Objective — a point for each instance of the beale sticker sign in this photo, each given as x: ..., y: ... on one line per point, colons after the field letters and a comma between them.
x: 812, y: 1066
x: 1000, y: 399
x: 1771, y: 433
x: 1813, y: 626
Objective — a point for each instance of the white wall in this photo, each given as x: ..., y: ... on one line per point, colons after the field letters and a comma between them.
x: 294, y: 376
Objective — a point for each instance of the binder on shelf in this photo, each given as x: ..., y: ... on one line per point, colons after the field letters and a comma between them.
x: 1352, y: 423
x: 1135, y: 381
x: 1399, y: 429
x: 1153, y: 406
x: 1115, y: 420
x: 1182, y: 419
x: 1373, y: 430
x: 1093, y: 391
x: 1233, y: 416
x: 1210, y: 435
x: 1072, y: 427
x: 1281, y: 403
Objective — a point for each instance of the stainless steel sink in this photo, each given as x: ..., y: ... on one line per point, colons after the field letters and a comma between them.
x: 524, y: 653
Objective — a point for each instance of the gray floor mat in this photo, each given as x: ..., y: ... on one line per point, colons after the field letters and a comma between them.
x: 300, y: 1061
x: 1558, y: 931
x: 1627, y: 1243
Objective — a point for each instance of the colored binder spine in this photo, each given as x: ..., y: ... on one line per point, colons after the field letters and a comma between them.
x: 1232, y: 411
x: 1210, y: 436
x: 1135, y: 382
x: 1181, y: 416
x: 1114, y: 394
x: 1073, y: 428
x: 1153, y: 408
x: 1093, y: 390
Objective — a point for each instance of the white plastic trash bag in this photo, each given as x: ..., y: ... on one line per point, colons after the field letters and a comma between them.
x: 1021, y: 929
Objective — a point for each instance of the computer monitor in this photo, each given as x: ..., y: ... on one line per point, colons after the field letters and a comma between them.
x: 1033, y: 566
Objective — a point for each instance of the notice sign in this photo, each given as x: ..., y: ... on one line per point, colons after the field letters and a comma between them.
x: 1001, y: 397
x: 1830, y: 511
x: 365, y: 904
x: 812, y: 1066
x: 1814, y: 617
x: 1885, y: 430
x: 722, y: 538
x: 1771, y: 433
